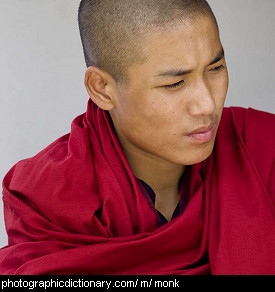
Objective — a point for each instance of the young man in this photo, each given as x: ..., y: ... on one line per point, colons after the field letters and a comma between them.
x: 157, y: 177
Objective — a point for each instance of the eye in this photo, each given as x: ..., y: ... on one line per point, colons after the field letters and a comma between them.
x: 217, y: 69
x: 175, y: 85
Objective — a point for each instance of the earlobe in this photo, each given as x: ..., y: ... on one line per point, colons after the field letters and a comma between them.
x: 97, y: 82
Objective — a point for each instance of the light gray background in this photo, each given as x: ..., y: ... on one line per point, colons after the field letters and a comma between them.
x: 42, y: 69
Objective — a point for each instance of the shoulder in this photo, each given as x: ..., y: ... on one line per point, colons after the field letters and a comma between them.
x: 55, y: 181
x: 25, y: 172
x: 245, y: 118
x: 49, y: 165
x: 253, y: 130
x: 254, y: 127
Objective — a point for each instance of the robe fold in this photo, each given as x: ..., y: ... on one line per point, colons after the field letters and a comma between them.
x: 76, y: 208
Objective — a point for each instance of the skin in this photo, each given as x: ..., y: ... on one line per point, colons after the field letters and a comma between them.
x: 153, y: 121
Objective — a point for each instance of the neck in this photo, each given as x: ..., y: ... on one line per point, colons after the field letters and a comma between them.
x: 161, y: 175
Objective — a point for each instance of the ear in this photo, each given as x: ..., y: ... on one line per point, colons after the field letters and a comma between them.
x: 99, y: 85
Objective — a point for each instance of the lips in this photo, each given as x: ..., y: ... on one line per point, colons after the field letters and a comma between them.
x: 203, y: 134
x: 203, y: 129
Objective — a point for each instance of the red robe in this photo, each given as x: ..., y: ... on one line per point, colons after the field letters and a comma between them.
x: 76, y: 207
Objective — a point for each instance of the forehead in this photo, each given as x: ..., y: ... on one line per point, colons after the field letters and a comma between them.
x: 190, y: 44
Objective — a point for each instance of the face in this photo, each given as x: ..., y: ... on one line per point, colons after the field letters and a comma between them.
x: 180, y: 88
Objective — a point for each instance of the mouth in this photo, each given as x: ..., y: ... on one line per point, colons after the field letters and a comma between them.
x: 203, y: 134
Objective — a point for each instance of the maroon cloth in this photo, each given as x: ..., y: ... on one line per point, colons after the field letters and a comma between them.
x: 76, y: 207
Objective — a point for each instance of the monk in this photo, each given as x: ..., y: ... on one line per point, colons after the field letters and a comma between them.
x: 157, y: 177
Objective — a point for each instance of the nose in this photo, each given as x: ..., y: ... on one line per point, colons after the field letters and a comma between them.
x: 202, y: 101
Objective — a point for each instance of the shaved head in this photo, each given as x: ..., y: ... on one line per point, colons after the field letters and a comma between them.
x: 113, y: 31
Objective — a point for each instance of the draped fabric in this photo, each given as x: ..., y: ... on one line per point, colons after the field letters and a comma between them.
x: 76, y: 207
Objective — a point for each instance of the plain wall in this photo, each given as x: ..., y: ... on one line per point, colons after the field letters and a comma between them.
x: 42, y: 69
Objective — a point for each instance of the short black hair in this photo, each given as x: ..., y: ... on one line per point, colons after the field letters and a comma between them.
x: 112, y: 30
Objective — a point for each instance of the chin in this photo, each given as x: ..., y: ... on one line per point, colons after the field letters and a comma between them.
x: 196, y: 156
x: 204, y: 155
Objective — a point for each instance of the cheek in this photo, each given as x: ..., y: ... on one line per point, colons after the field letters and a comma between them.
x: 156, y: 121
x: 164, y: 114
x: 225, y: 82
x: 220, y: 90
x: 153, y: 118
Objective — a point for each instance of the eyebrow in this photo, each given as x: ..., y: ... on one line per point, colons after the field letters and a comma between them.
x: 219, y: 56
x: 179, y: 72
